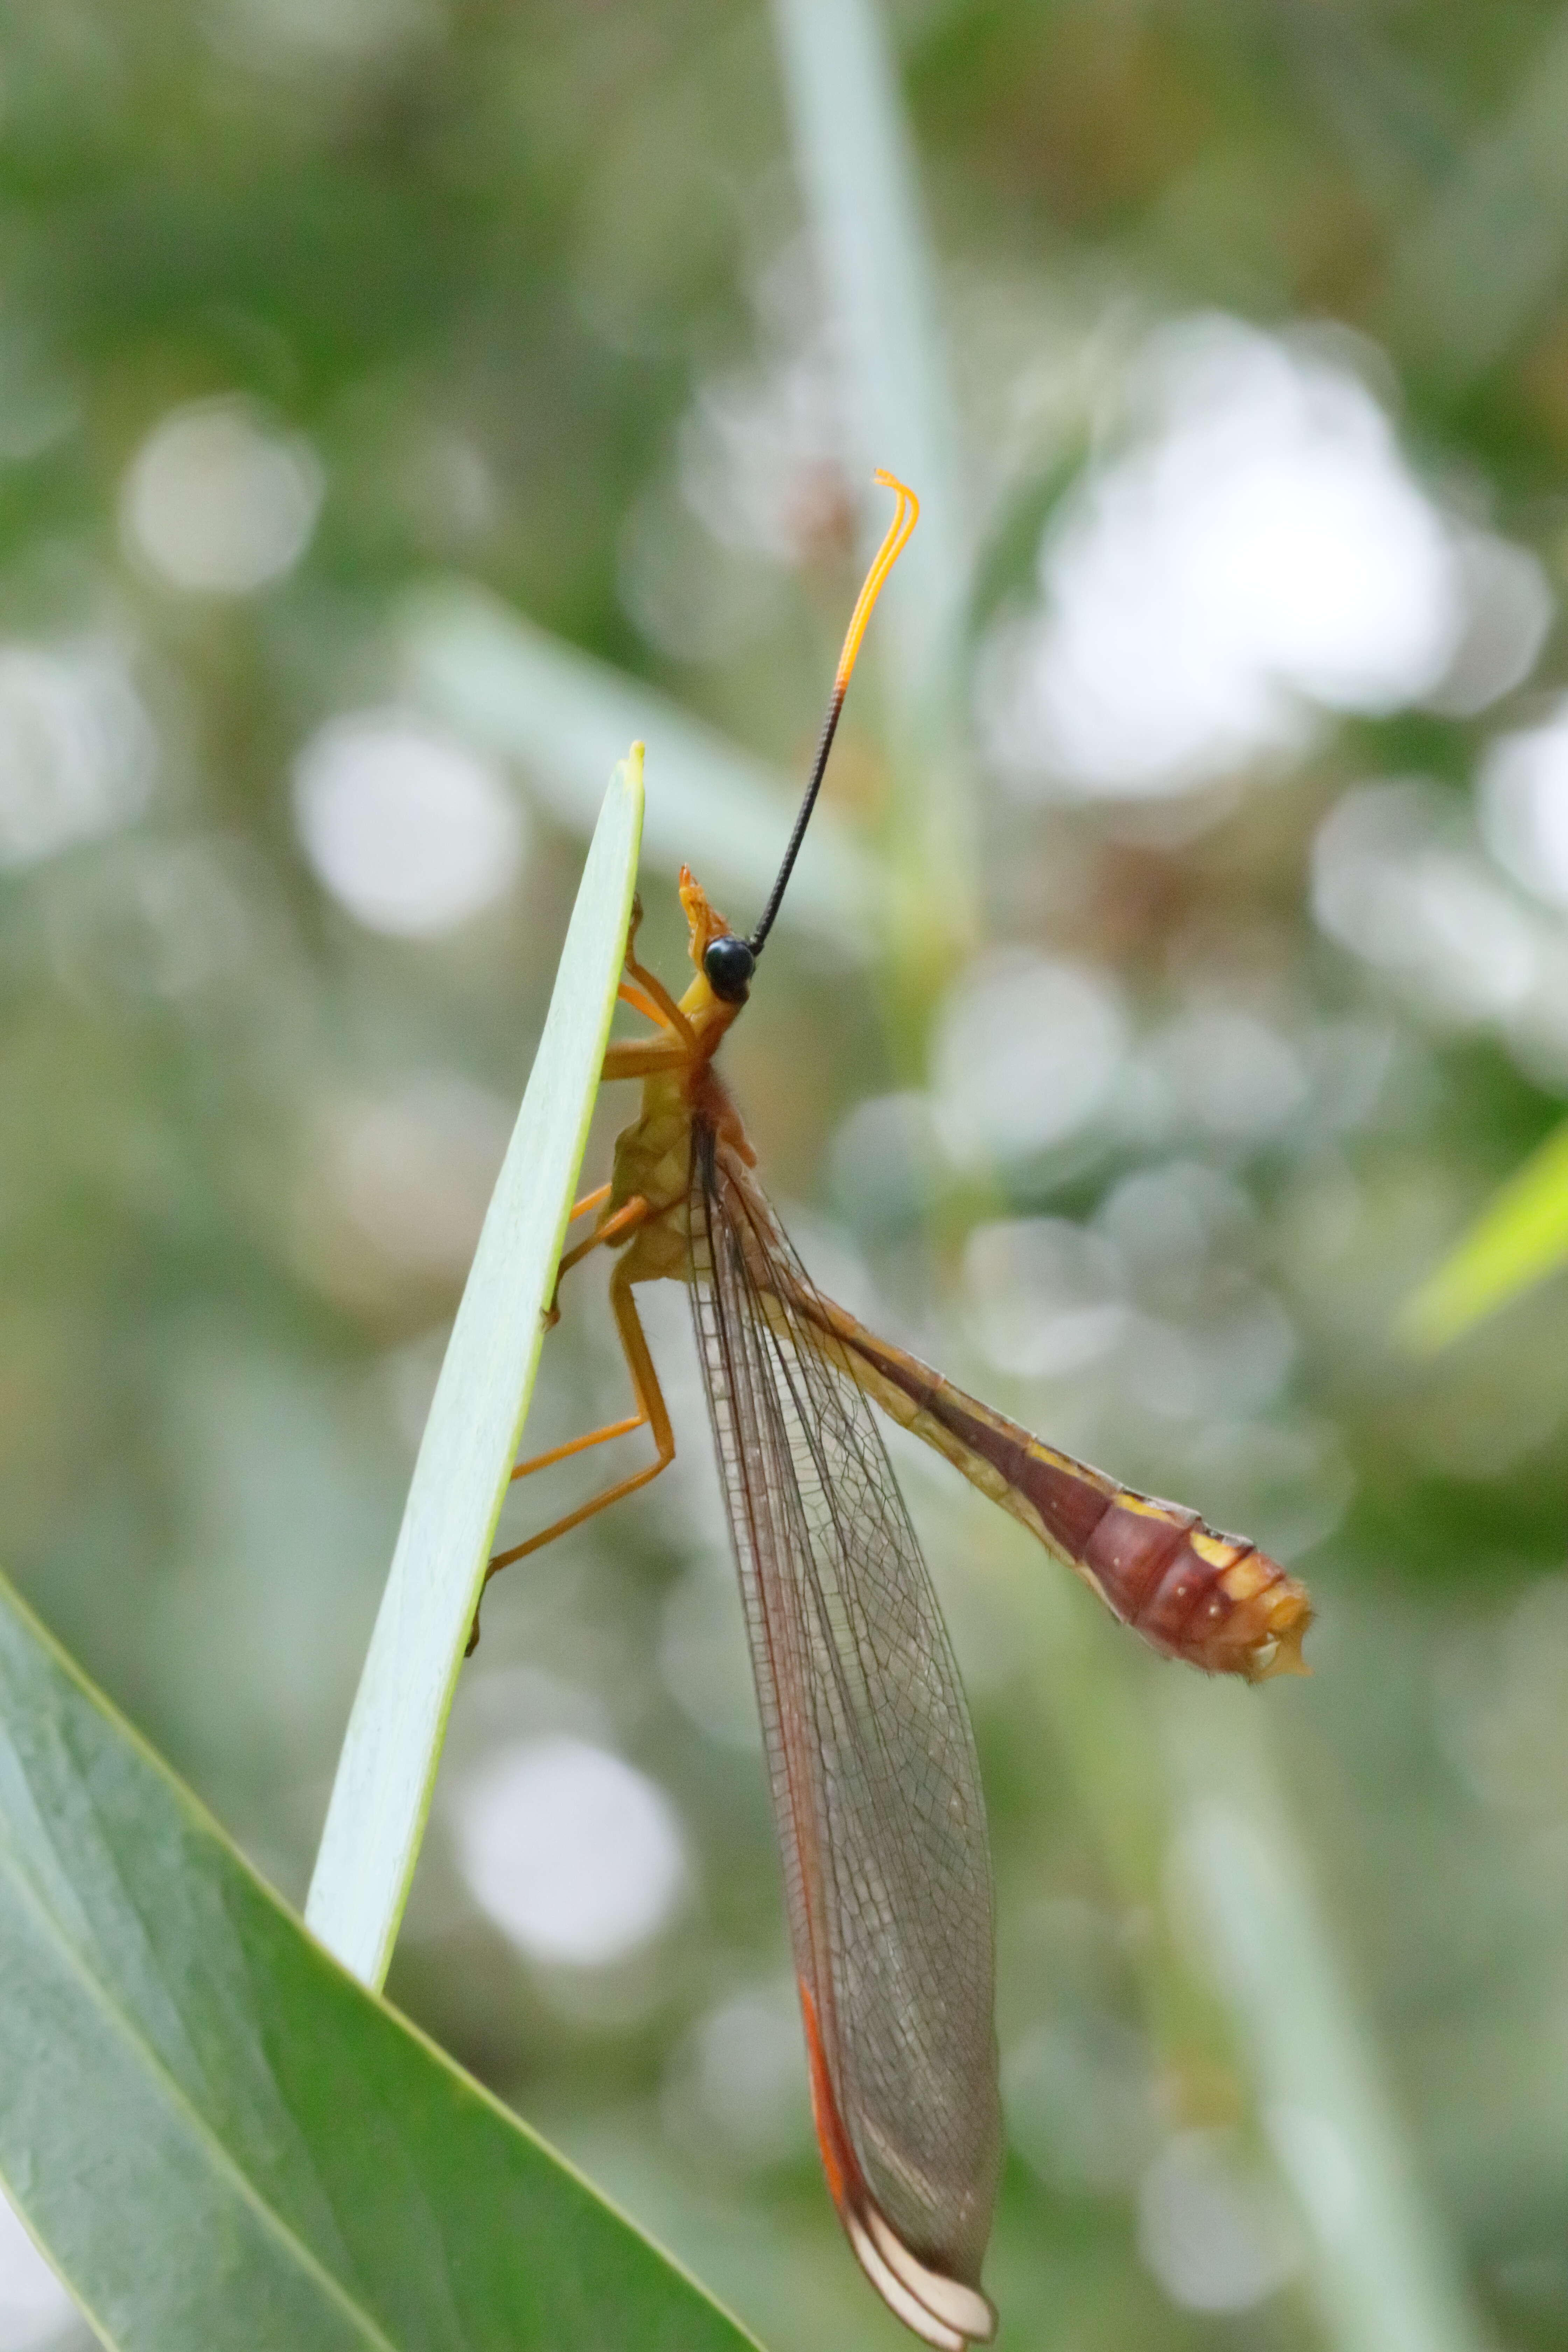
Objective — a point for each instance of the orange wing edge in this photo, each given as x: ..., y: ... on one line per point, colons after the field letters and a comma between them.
x: 945, y: 2312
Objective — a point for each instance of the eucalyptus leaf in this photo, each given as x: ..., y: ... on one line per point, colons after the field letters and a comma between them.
x: 222, y: 2142
x: 387, y: 1769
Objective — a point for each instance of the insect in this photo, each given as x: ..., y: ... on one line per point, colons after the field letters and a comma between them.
x: 872, y: 1761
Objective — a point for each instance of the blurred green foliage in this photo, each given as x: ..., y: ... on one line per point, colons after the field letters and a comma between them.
x: 533, y: 294
x: 1520, y: 1238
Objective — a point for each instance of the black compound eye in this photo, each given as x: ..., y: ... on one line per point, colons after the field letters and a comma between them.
x: 728, y: 964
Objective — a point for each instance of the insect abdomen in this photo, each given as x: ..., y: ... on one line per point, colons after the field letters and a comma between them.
x: 1214, y: 1600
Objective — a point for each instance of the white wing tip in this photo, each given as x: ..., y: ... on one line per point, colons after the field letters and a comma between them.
x: 946, y: 2313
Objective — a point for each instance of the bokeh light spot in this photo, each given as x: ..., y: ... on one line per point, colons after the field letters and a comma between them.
x: 1209, y: 2230
x: 575, y: 1855
x: 1028, y: 1052
x: 1046, y: 1297
x: 408, y: 829
x: 1080, y: 2108
x: 1260, y: 546
x: 1509, y: 609
x: 1229, y: 1072
x: 394, y: 1187
x: 1524, y: 806
x: 77, y: 748
x: 1395, y: 878
x: 738, y: 2083
x: 218, y: 501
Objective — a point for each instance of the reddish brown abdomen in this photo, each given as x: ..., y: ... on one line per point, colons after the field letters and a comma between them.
x: 1214, y: 1600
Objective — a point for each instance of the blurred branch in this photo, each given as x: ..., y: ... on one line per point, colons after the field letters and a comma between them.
x: 1467, y: 280
x: 566, y: 719
x: 858, y: 173
x: 1387, y: 111
x: 1520, y: 1238
x: 1379, y: 2266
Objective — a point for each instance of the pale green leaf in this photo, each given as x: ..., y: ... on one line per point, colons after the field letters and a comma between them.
x: 387, y: 1769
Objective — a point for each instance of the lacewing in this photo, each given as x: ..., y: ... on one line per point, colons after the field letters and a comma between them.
x: 875, y: 1782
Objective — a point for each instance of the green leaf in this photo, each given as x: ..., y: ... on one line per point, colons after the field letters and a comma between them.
x: 387, y: 1769
x: 1520, y: 1237
x: 223, y: 2143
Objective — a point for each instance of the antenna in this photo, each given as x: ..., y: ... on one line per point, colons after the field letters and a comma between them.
x: 904, y: 520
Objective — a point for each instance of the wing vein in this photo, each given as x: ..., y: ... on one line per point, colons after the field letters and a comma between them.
x: 873, y: 1774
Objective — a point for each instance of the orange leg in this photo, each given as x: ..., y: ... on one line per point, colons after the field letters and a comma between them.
x: 662, y: 1008
x: 640, y: 1057
x: 641, y: 1003
x: 651, y: 1410
x: 594, y: 1199
x: 627, y: 1219
x: 577, y: 1445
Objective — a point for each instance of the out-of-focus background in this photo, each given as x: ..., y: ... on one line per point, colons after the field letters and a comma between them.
x: 402, y: 406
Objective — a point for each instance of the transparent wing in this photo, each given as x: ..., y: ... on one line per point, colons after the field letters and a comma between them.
x: 875, y: 1782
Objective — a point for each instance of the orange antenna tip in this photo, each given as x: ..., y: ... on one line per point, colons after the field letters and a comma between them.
x: 905, y: 516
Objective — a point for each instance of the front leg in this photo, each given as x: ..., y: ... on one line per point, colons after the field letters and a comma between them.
x: 646, y: 994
